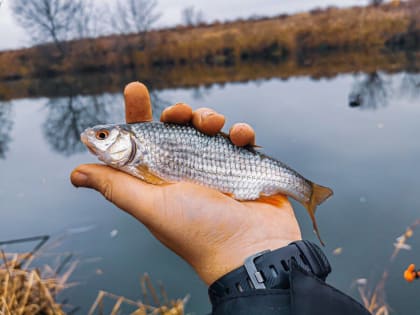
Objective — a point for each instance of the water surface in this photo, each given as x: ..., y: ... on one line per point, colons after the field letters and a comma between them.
x: 368, y: 154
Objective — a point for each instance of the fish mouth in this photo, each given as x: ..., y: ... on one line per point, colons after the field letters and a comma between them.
x: 84, y: 137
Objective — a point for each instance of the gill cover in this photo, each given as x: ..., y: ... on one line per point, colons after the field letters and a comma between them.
x: 112, y: 144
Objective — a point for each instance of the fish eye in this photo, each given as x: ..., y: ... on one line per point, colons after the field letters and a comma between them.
x: 102, y: 134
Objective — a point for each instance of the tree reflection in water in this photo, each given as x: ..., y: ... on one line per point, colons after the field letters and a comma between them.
x: 68, y: 117
x: 410, y: 85
x: 158, y: 103
x: 6, y: 125
x: 371, y: 92
x: 200, y: 92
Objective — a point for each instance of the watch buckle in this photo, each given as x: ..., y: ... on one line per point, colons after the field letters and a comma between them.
x: 255, y: 276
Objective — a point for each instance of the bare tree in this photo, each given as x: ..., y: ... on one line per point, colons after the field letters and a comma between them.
x: 47, y: 20
x: 135, y: 16
x: 88, y: 23
x: 191, y: 17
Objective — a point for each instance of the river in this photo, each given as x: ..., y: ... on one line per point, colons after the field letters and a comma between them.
x: 368, y: 153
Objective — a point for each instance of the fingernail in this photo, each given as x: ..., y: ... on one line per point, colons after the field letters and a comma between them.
x: 207, y: 114
x: 79, y: 179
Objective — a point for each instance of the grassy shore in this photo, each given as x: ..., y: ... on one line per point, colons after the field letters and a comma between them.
x: 289, y: 42
x: 190, y: 76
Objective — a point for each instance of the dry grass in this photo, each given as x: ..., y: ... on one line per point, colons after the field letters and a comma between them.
x: 375, y: 299
x: 27, y: 290
x: 162, y: 305
x: 279, y: 38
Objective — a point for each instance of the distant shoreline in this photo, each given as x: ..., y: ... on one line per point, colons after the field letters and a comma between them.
x: 192, y: 76
x: 284, y: 41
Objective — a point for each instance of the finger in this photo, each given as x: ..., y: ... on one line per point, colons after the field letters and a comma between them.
x: 242, y: 134
x: 125, y: 191
x: 137, y: 103
x: 208, y: 121
x: 179, y: 113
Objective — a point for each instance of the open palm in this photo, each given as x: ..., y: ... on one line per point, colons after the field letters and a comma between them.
x: 211, y: 231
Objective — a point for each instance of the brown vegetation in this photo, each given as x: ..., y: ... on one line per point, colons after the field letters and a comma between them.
x: 189, y: 76
x: 374, y: 297
x: 275, y: 39
x: 28, y: 290
x: 163, y: 306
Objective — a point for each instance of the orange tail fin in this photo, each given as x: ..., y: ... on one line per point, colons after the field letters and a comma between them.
x: 319, y: 195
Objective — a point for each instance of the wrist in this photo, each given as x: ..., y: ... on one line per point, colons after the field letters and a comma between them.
x: 270, y: 270
x: 215, y: 265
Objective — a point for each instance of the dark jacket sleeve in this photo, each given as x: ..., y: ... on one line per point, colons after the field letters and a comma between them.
x: 308, y: 295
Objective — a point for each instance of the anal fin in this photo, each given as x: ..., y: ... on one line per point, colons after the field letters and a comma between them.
x: 277, y: 200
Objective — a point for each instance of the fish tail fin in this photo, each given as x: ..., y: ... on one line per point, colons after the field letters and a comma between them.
x: 318, y: 196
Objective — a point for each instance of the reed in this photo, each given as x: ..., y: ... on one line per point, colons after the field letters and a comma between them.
x: 161, y: 304
x: 28, y: 290
x: 374, y: 297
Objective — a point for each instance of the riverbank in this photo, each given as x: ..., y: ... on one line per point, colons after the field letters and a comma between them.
x: 285, y: 41
x: 316, y: 66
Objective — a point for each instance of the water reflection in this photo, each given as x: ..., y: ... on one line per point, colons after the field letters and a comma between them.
x: 372, y: 92
x: 200, y: 92
x: 319, y: 66
x: 158, y: 103
x: 68, y: 117
x: 6, y: 125
x: 410, y: 85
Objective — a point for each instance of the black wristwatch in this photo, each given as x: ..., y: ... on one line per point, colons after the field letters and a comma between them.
x: 270, y: 270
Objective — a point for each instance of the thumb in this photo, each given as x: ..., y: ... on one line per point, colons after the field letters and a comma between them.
x: 125, y: 191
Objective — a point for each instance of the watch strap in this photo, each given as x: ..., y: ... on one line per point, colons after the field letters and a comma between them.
x: 270, y: 269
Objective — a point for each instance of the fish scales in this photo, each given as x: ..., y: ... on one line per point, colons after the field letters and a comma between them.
x: 160, y: 153
x: 179, y: 152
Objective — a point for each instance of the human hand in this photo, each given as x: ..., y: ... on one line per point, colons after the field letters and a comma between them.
x: 211, y: 231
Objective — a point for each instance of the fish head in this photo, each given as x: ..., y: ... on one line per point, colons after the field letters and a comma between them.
x: 112, y: 144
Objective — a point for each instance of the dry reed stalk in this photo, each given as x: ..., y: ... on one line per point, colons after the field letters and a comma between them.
x: 375, y: 300
x: 32, y: 291
x: 165, y: 307
x: 25, y: 290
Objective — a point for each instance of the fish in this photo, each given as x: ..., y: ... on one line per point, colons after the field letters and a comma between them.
x: 164, y: 153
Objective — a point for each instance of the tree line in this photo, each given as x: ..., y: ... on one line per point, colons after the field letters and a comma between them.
x: 58, y: 21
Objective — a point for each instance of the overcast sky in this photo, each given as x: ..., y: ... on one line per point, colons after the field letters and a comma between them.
x: 12, y: 36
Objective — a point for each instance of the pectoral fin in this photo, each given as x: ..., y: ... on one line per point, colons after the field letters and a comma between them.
x: 150, y: 177
x: 229, y: 195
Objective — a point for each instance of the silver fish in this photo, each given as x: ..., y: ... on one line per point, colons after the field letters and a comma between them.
x: 165, y: 153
